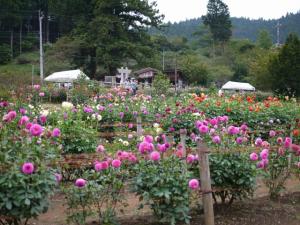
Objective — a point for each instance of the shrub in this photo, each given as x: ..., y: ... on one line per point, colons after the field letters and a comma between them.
x: 79, y: 202
x: 277, y: 173
x: 25, y: 178
x: 232, y: 176
x: 77, y: 137
x: 163, y: 186
x: 161, y: 84
x: 5, y: 55
x: 100, y: 196
x: 57, y: 94
x: 23, y: 60
x: 25, y: 196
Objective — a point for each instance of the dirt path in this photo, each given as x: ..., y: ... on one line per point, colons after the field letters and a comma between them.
x: 257, y: 211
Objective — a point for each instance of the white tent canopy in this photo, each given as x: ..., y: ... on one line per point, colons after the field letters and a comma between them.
x: 230, y: 85
x: 66, y: 76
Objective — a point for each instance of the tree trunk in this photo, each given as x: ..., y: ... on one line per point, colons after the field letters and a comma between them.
x: 12, y: 43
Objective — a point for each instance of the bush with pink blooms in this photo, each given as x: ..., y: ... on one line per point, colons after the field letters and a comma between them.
x: 25, y: 195
x: 163, y: 186
x: 99, y: 190
x: 26, y: 180
x: 276, y: 160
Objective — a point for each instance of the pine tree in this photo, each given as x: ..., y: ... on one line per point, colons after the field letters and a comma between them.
x: 218, y: 21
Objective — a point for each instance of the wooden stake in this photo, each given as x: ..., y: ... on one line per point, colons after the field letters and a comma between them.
x: 205, y: 183
x: 139, y: 129
x: 183, y: 140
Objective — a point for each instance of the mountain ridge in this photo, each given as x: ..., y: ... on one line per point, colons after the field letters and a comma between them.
x: 242, y: 27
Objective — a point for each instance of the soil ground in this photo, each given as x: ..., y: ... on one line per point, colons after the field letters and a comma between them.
x: 259, y: 210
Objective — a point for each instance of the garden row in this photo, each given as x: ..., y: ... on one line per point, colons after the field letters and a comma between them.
x: 47, y: 150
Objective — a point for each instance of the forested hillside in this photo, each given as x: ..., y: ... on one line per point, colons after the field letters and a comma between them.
x: 243, y: 28
x: 100, y: 36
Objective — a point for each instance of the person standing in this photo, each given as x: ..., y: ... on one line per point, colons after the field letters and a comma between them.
x: 133, y: 85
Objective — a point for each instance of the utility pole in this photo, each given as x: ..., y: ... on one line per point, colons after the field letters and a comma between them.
x: 21, y: 37
x: 41, y: 47
x: 176, y: 72
x: 278, y: 33
x: 12, y: 43
x: 163, y: 59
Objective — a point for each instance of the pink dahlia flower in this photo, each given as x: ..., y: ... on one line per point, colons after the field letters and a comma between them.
x: 155, y: 156
x: 27, y: 168
x: 80, y: 182
x: 193, y: 184
x: 36, y: 130
x: 116, y: 163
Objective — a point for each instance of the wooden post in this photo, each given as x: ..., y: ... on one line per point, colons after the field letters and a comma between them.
x: 139, y: 129
x: 183, y: 140
x: 205, y: 183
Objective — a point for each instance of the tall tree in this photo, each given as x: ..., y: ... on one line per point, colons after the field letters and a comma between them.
x: 118, y: 31
x: 285, y: 68
x: 264, y: 40
x: 218, y: 21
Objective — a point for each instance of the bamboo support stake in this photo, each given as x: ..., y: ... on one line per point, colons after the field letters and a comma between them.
x: 205, y: 183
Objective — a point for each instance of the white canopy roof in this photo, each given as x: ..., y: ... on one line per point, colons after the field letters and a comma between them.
x: 66, y: 76
x: 230, y: 85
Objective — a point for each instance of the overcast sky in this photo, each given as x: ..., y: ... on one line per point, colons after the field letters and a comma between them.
x: 177, y: 10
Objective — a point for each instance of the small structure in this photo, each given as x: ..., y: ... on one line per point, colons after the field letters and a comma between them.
x: 237, y: 86
x: 146, y: 75
x: 175, y: 76
x: 123, y: 74
x: 66, y: 77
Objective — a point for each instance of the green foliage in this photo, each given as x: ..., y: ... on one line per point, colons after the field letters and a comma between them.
x: 5, y: 54
x: 79, y: 202
x: 277, y: 173
x: 163, y: 186
x: 116, y: 28
x: 78, y: 137
x: 285, y: 68
x: 30, y: 42
x: 80, y: 93
x: 240, y: 72
x: 161, y: 84
x: 233, y: 176
x: 195, y: 71
x: 220, y: 73
x: 218, y: 20
x: 100, y: 196
x: 264, y: 40
x: 25, y: 196
x: 204, y: 35
x: 259, y: 74
x: 59, y: 56
x: 56, y: 95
